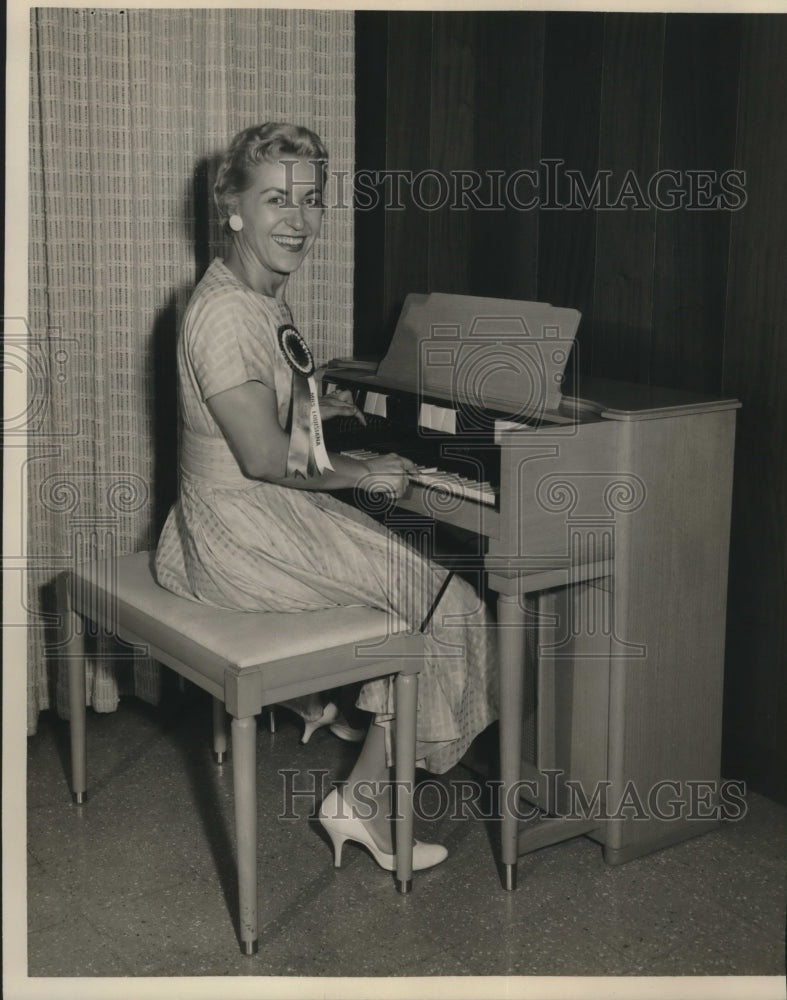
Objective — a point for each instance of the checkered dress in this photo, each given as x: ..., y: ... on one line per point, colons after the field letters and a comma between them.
x: 253, y: 545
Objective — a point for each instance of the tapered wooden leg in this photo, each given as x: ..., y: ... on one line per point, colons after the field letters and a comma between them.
x: 406, y: 714
x: 511, y: 638
x: 219, y: 731
x: 244, y: 759
x: 74, y: 647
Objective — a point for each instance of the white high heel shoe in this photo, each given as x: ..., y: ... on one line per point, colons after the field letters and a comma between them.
x: 339, y: 726
x: 340, y: 826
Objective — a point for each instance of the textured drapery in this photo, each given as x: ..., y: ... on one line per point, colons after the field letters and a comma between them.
x: 128, y: 111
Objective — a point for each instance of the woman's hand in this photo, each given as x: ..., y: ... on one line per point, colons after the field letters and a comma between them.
x: 388, y: 474
x: 339, y: 403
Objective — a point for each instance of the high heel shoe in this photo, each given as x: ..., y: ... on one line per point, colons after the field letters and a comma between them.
x: 339, y: 726
x: 341, y: 826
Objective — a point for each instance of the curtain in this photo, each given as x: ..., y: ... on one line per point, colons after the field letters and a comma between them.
x: 129, y: 110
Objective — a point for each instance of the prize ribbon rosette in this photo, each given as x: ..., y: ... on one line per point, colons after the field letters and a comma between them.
x: 307, y: 446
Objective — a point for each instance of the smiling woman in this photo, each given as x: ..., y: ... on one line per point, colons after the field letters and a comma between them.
x: 256, y: 527
x: 270, y: 192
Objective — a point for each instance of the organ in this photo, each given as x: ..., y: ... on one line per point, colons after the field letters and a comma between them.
x: 596, y: 514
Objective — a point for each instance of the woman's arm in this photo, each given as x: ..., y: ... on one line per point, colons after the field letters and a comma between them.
x: 247, y: 416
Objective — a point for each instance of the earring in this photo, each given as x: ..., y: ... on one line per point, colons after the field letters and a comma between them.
x: 236, y: 223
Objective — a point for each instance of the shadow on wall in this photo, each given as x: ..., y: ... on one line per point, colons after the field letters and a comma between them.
x: 201, y: 224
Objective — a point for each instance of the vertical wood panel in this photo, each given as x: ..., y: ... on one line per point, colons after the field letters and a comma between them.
x: 630, y: 102
x: 408, y: 127
x: 755, y: 365
x: 371, y: 50
x: 509, y: 79
x: 692, y: 244
x: 452, y: 143
x: 572, y: 97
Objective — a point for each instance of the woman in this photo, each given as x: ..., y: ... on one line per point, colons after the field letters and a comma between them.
x: 255, y: 527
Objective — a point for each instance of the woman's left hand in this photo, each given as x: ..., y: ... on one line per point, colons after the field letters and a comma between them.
x: 339, y: 403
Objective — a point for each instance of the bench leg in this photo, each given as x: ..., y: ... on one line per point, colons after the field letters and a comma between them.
x: 76, y: 703
x: 244, y: 756
x: 75, y: 652
x: 219, y: 731
x: 406, y: 712
x: 511, y: 633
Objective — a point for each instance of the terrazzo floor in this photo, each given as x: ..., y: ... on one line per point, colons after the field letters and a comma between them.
x: 140, y: 881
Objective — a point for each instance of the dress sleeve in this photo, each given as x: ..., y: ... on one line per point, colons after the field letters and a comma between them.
x: 228, y: 344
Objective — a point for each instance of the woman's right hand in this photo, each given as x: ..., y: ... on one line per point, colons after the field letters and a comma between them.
x: 388, y: 474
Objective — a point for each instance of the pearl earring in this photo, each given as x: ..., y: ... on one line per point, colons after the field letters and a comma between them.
x: 236, y: 223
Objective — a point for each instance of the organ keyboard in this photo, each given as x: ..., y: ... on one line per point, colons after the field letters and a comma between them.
x: 435, y: 478
x: 602, y: 514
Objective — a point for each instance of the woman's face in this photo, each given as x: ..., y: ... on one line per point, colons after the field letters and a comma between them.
x: 282, y: 214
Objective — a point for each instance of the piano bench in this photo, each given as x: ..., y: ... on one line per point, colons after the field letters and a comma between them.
x: 246, y: 661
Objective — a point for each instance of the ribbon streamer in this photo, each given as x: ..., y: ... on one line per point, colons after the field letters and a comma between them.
x: 307, y: 452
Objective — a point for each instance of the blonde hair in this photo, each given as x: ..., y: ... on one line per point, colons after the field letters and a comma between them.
x: 267, y: 142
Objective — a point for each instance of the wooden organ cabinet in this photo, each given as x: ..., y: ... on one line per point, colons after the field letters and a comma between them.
x: 597, y: 514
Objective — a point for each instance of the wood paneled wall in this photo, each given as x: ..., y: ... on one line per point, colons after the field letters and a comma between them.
x: 687, y: 298
x: 755, y: 370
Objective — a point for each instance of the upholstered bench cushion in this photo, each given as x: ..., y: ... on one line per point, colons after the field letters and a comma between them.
x: 123, y: 594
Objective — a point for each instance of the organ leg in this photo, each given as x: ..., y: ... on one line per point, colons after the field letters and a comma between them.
x: 511, y: 633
